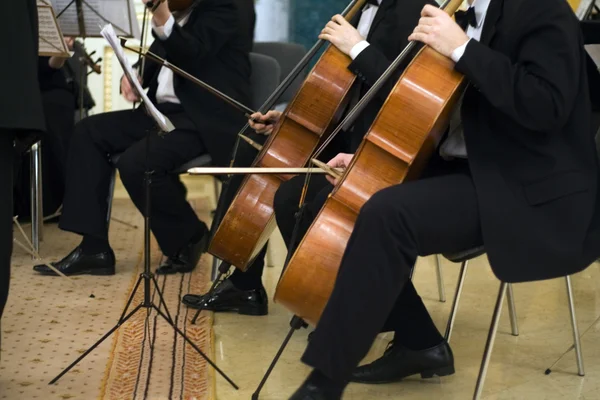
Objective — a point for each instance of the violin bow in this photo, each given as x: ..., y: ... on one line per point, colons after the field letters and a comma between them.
x: 153, y: 57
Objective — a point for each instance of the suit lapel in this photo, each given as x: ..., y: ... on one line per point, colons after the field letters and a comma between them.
x: 491, y: 19
x: 381, y: 12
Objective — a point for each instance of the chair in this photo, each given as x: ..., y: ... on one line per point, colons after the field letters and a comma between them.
x: 288, y: 55
x: 506, y: 290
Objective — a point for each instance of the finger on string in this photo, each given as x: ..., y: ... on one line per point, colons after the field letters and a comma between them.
x: 329, y: 38
x: 418, y: 37
x: 431, y: 11
x: 427, y: 21
x: 339, y: 19
x: 423, y: 29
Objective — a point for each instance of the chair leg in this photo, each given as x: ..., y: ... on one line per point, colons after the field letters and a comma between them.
x: 111, y: 194
x: 37, y: 210
x: 440, y: 278
x: 487, y: 354
x: 576, y: 337
x: 459, y: 287
x: 269, y: 257
x: 217, y: 189
x: 512, y: 310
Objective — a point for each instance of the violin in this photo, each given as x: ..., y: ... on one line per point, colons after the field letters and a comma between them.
x: 87, y: 60
x: 396, y: 149
x: 174, y: 5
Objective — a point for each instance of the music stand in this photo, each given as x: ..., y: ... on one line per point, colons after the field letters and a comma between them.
x: 85, y: 18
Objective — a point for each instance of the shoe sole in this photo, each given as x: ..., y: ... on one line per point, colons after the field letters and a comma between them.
x: 444, y: 371
x: 257, y: 312
x: 95, y: 272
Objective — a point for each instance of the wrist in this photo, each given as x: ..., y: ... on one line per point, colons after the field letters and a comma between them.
x: 358, y: 48
x: 161, y: 18
x: 458, y: 52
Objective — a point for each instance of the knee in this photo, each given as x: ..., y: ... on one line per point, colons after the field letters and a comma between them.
x: 387, y: 208
x: 286, y: 198
x: 130, y: 169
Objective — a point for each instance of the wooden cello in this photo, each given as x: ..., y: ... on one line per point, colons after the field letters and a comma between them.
x: 309, y: 118
x: 397, y: 147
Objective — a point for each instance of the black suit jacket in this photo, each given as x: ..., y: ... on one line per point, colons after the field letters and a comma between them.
x: 394, y: 22
x: 526, y: 116
x: 214, y: 46
x: 20, y: 103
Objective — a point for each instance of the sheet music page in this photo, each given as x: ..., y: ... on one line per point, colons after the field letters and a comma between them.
x: 96, y: 14
x: 51, y: 42
x: 109, y: 34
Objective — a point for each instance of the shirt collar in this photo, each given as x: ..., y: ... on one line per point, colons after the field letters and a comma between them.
x: 481, y: 7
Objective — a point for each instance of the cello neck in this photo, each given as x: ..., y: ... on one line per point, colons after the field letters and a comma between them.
x: 355, y: 9
x: 451, y: 6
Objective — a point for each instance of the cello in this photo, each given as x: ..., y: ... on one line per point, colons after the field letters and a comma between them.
x: 307, y: 121
x: 396, y: 148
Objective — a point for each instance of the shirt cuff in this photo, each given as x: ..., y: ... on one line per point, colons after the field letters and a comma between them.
x: 163, y: 32
x: 358, y: 48
x: 459, y: 52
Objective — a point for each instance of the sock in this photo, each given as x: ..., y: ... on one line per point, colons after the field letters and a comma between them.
x: 328, y: 385
x: 246, y: 280
x: 93, y: 245
x: 412, y: 325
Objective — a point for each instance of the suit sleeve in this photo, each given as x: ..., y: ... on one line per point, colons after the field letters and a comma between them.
x: 212, y: 28
x: 538, y: 88
x: 371, y: 63
x: 591, y: 31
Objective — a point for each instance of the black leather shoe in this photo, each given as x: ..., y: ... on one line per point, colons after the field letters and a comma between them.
x: 186, y: 259
x: 78, y: 263
x: 399, y: 362
x: 309, y: 391
x: 226, y: 297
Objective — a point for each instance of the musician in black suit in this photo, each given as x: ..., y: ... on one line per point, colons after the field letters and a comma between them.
x: 211, y: 40
x: 518, y: 173
x: 371, y: 40
x: 21, y: 113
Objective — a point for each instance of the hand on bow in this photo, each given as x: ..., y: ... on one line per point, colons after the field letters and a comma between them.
x: 162, y: 12
x: 263, y: 123
x: 341, y: 34
x: 128, y: 91
x: 342, y: 161
x: 439, y: 31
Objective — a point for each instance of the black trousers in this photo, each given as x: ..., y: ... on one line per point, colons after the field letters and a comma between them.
x: 174, y: 222
x: 6, y: 211
x: 59, y: 106
x: 434, y: 215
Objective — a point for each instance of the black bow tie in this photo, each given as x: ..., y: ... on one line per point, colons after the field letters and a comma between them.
x: 373, y: 2
x: 466, y: 18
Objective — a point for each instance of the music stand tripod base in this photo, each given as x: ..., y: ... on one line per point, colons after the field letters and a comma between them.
x: 148, y: 279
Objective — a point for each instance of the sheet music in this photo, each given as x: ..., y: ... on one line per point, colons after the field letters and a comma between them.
x: 109, y: 34
x: 51, y: 41
x: 96, y: 14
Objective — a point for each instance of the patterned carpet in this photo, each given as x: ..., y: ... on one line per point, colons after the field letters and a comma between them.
x: 49, y: 322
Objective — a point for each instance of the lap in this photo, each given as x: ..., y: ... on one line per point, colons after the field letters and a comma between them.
x: 441, y: 212
x: 162, y: 154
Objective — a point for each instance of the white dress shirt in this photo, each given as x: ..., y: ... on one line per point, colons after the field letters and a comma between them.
x: 454, y: 146
x: 364, y: 26
x: 165, y: 93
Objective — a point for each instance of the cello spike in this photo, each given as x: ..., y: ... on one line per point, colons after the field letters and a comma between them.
x: 251, y: 142
x: 334, y: 172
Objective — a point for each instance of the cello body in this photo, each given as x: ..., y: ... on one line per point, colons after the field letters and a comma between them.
x: 308, y: 119
x: 396, y: 149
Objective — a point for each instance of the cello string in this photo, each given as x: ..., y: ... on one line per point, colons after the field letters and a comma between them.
x: 286, y: 83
